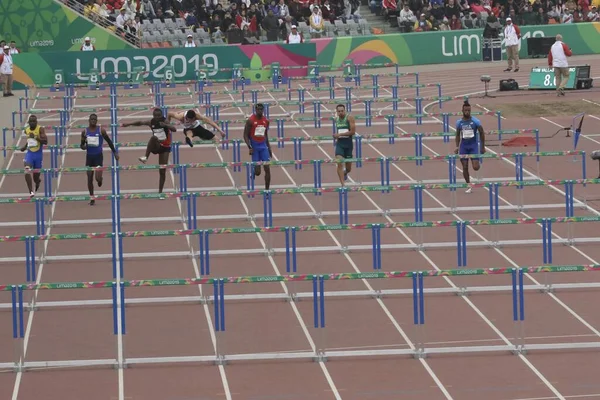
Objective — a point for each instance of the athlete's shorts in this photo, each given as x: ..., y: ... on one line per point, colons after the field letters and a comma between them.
x: 162, y: 149
x: 34, y: 159
x: 468, y: 148
x: 344, y: 148
x: 201, y: 132
x: 94, y: 160
x: 261, y: 154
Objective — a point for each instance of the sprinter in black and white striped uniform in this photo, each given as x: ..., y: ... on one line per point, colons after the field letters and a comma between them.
x: 192, y: 122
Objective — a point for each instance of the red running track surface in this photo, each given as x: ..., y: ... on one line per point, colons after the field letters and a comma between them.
x: 187, y: 328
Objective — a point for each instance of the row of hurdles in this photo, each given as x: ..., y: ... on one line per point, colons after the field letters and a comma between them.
x: 291, y: 248
x: 385, y: 164
x: 317, y: 282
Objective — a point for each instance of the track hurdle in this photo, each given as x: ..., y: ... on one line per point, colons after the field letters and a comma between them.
x: 418, y: 291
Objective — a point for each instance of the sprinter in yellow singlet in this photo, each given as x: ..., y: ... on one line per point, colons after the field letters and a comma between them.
x: 36, y: 139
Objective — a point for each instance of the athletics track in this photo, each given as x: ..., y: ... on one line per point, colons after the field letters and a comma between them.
x: 170, y: 323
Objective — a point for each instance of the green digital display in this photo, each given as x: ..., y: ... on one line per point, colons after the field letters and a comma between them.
x: 543, y: 78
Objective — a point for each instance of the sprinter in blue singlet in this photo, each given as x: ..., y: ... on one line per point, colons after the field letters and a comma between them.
x: 92, y: 140
x: 466, y: 141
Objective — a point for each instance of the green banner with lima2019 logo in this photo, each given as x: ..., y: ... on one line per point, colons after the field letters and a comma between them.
x: 185, y: 62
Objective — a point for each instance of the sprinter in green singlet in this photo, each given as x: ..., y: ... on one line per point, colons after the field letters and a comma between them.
x: 345, y: 129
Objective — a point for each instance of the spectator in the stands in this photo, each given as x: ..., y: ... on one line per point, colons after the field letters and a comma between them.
x: 455, y: 23
x: 286, y: 27
x: 328, y: 11
x: 435, y: 24
x: 294, y: 36
x: 88, y: 10
x: 233, y: 10
x: 129, y: 8
x: 190, y: 41
x: 13, y: 48
x: 415, y: 5
x: 316, y: 23
x: 102, y: 11
x: 214, y: 23
x: 284, y: 10
x: 271, y: 25
x: 87, y: 45
x: 593, y: 15
x: 437, y: 11
x: 242, y: 19
x: 567, y: 17
x: 226, y: 23
x: 578, y: 15
x: 445, y: 25
x: 121, y: 20
x: 528, y: 17
x: 422, y: 25
x: 468, y: 21
x: 585, y: 6
x: 407, y: 18
x: 253, y: 13
x: 219, y: 11
x: 452, y: 8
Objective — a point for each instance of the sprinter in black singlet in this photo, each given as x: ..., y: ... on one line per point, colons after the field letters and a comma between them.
x: 159, y: 143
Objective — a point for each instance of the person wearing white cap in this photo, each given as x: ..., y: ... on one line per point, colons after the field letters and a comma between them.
x: 190, y: 41
x: 87, y: 45
x: 512, y: 38
x: 294, y: 36
x: 6, y: 71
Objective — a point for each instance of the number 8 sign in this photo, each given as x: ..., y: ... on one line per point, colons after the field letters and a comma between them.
x: 549, y: 80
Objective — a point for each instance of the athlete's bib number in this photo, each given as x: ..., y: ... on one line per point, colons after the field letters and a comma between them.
x: 259, y: 131
x: 342, y: 130
x: 160, y: 134
x: 31, y: 142
x: 468, y: 133
x: 93, y: 141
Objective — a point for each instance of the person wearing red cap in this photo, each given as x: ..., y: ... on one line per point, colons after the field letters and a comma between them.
x: 512, y: 38
x: 6, y: 71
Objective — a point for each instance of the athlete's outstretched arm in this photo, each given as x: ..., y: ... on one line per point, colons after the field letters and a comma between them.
x: 136, y: 123
x: 210, y: 122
